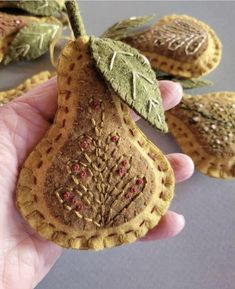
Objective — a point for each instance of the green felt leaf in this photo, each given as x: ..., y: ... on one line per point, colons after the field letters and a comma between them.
x: 160, y: 75
x: 123, y: 28
x: 186, y: 83
x: 130, y: 75
x: 32, y: 41
x: 40, y: 7
x: 193, y: 82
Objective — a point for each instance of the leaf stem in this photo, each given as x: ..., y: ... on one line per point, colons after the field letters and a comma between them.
x: 75, y: 18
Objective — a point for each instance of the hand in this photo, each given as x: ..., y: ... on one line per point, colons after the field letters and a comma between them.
x: 25, y: 258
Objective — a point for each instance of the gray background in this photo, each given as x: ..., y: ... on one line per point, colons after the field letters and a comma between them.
x: 203, y: 255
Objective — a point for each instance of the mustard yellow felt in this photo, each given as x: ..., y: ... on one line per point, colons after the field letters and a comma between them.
x: 179, y: 31
x: 94, y: 181
x: 203, y: 126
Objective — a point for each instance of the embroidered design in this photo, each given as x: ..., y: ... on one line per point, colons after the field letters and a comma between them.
x: 131, y: 78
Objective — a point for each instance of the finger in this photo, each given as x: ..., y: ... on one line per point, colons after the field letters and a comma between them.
x: 169, y: 226
x: 171, y: 93
x: 182, y: 165
x: 43, y: 98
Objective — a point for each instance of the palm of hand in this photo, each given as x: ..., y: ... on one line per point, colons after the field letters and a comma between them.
x: 24, y: 254
x: 25, y: 258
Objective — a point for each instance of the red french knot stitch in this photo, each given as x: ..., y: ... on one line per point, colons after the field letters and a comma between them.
x: 133, y: 189
x: 74, y: 201
x: 139, y: 182
x: 121, y: 171
x: 76, y: 168
x: 124, y: 163
x: 67, y: 195
x: 95, y: 104
x: 79, y: 206
x: 128, y: 195
x: 83, y: 174
x: 131, y: 192
x: 114, y: 138
x: 84, y: 144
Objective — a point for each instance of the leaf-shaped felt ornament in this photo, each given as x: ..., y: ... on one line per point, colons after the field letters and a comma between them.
x: 32, y: 41
x: 124, y: 27
x: 40, y: 8
x: 131, y: 77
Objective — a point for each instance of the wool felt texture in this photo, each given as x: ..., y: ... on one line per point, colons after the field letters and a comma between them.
x: 94, y: 180
x: 39, y: 8
x: 26, y: 37
x: 131, y: 77
x: 204, y: 127
x: 179, y: 45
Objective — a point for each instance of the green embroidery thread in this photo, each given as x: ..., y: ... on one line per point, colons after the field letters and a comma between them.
x: 32, y: 41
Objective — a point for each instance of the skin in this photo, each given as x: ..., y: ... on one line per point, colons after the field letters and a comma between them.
x: 25, y: 258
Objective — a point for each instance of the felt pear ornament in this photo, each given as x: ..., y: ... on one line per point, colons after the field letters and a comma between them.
x: 95, y: 181
x: 204, y: 127
x: 26, y: 37
x: 178, y: 45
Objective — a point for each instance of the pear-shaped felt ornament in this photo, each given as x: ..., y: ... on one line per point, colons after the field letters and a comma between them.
x: 204, y: 127
x: 179, y: 45
x: 9, y: 26
x: 95, y: 180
